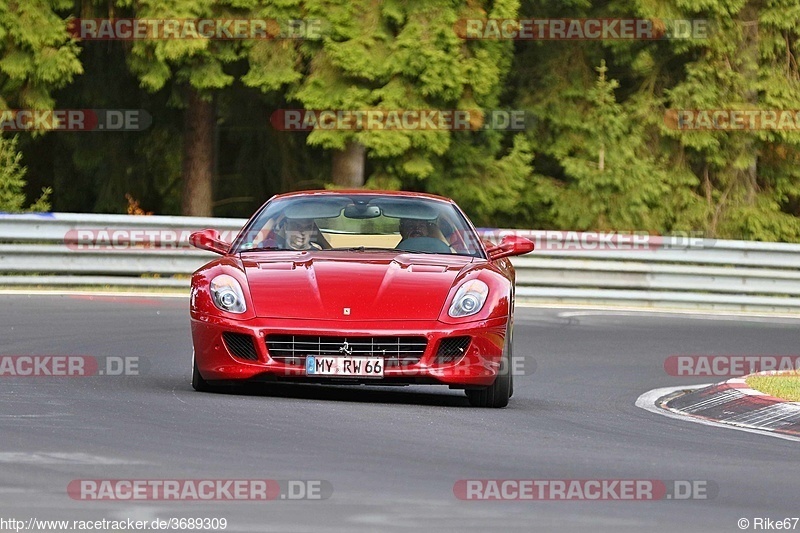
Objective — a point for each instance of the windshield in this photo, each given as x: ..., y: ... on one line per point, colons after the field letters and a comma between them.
x: 360, y: 223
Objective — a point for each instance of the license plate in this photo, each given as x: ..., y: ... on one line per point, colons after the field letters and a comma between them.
x: 367, y: 367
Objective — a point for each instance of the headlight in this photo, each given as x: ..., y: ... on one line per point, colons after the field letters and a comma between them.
x: 469, y: 299
x: 227, y: 294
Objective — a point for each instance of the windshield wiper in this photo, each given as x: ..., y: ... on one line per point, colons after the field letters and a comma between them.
x: 364, y: 249
x: 262, y: 249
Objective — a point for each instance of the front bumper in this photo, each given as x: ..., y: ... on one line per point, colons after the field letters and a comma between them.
x: 477, y: 367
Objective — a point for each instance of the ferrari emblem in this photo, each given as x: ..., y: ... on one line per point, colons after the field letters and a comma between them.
x: 346, y: 349
x: 346, y: 310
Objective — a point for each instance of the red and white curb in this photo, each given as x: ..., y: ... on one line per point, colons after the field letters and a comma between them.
x: 730, y: 404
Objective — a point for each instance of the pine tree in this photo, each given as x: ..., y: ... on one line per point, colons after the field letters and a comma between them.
x: 606, y: 177
x: 390, y: 56
x: 36, y: 57
x: 195, y: 68
x: 12, y: 181
x: 746, y: 178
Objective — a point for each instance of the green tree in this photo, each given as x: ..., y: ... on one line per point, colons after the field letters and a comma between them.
x: 747, y: 179
x: 12, y: 181
x: 194, y: 68
x: 36, y: 53
x: 389, y: 55
x: 36, y: 57
x: 734, y: 184
x: 610, y: 177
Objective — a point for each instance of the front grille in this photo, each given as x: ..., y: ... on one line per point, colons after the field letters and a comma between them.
x: 451, y: 349
x: 396, y: 351
x: 240, y: 345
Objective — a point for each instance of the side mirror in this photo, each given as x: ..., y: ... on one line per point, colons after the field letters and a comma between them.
x: 510, y: 245
x: 209, y: 239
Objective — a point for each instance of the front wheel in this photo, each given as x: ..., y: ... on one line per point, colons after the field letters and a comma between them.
x: 497, y: 394
x: 198, y: 383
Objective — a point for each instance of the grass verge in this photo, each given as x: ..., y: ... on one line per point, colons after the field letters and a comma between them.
x: 784, y: 385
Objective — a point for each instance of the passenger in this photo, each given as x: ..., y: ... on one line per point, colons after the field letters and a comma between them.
x: 299, y: 234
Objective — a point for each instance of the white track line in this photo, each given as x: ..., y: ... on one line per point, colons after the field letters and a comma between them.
x: 143, y: 294
x: 683, y: 314
x: 600, y: 310
x: 58, y: 458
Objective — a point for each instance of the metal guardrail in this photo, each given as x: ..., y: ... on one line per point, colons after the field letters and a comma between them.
x: 64, y: 249
x: 76, y: 249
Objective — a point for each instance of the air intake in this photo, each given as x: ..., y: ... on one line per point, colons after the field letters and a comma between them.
x: 240, y: 345
x: 451, y: 349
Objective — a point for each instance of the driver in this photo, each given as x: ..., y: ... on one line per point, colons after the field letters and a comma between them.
x: 299, y: 233
x: 411, y: 228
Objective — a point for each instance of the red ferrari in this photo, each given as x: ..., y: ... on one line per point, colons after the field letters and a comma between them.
x: 357, y: 287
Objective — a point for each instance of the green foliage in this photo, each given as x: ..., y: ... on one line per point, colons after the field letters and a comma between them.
x: 730, y: 184
x: 601, y: 155
x: 36, y: 54
x: 487, y: 187
x: 12, y: 181
x: 36, y: 57
x: 610, y: 177
x: 197, y: 62
x: 389, y: 56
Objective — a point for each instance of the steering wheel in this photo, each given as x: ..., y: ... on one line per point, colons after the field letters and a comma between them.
x: 423, y: 244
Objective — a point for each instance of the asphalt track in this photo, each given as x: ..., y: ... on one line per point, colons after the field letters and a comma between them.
x: 392, y: 456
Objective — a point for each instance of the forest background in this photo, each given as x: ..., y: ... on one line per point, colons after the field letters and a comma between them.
x: 597, y: 155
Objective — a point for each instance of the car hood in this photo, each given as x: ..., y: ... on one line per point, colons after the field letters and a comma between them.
x: 341, y: 286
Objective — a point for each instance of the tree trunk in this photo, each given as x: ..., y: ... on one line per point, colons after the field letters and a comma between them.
x: 750, y: 41
x: 198, y: 156
x: 348, y: 166
x: 601, y: 158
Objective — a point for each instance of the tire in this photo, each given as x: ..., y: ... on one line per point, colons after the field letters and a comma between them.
x: 497, y: 394
x: 510, y: 347
x: 198, y: 383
